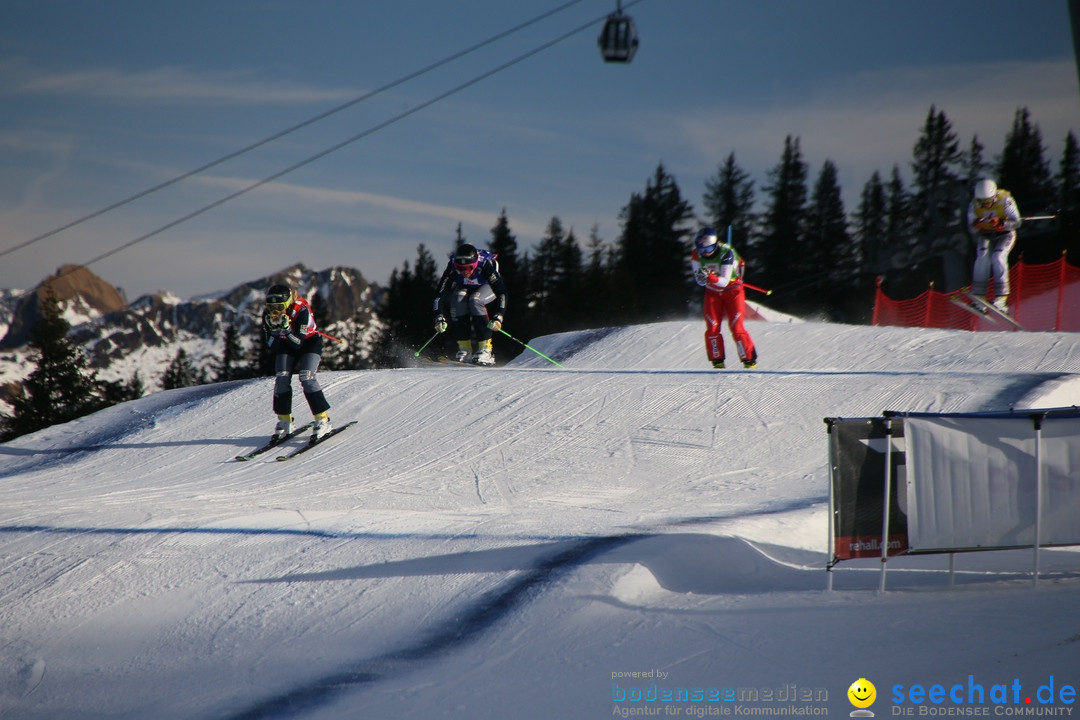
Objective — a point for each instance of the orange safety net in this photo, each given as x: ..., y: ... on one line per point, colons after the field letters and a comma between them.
x: 1044, y: 297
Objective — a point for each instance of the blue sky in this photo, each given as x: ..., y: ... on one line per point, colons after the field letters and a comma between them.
x: 103, y: 100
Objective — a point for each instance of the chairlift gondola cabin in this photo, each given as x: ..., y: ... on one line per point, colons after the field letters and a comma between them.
x: 618, y: 40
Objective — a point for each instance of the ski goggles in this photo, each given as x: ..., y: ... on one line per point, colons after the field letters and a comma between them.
x: 706, y: 248
x: 276, y: 308
x: 466, y: 269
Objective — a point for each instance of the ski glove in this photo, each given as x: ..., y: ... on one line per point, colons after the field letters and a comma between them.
x: 440, y: 324
x: 275, y: 326
x: 496, y: 323
x: 715, y: 282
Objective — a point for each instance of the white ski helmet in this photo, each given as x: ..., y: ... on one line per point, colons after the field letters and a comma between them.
x: 985, y: 190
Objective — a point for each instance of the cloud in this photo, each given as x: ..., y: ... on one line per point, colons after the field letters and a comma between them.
x: 871, y: 120
x: 23, y: 191
x: 356, y: 207
x: 30, y: 140
x: 168, y: 84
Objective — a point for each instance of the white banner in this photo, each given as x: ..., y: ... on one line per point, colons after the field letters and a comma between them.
x: 973, y: 482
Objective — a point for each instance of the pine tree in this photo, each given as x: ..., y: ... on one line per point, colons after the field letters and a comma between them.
x: 895, y: 238
x: 393, y: 306
x: 596, y: 281
x: 1068, y: 178
x: 831, y: 247
x: 545, y: 267
x: 511, y: 267
x: 776, y: 252
x: 1068, y: 205
x: 504, y: 245
x: 976, y: 167
x: 940, y: 193
x: 118, y: 391
x: 260, y: 361
x: 321, y: 312
x: 729, y: 200
x: 61, y: 387
x: 871, y: 222
x: 405, y: 311
x: 900, y: 226
x: 556, y: 280
x: 653, y: 274
x: 828, y: 240
x: 353, y: 353
x: 181, y: 373
x: 1023, y: 169
x: 230, y: 367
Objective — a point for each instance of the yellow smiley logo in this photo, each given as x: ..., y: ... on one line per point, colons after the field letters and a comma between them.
x: 862, y: 693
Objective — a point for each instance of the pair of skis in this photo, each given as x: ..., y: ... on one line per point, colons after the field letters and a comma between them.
x: 444, y: 360
x: 980, y: 308
x: 297, y: 451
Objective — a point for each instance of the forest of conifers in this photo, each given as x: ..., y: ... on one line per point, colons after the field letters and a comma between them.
x: 797, y: 238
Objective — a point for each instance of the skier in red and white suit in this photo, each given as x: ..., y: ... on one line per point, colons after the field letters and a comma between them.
x: 718, y: 268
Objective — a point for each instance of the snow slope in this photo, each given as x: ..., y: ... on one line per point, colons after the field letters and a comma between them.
x: 521, y: 542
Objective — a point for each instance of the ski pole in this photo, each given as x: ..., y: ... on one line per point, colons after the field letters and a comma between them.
x: 755, y: 287
x: 1039, y: 217
x: 528, y: 347
x: 746, y: 284
x: 328, y: 337
x: 417, y: 353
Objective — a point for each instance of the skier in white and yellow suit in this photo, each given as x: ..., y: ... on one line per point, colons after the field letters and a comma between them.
x: 992, y: 218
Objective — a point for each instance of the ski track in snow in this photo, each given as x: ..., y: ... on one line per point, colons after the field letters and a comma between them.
x: 460, y: 498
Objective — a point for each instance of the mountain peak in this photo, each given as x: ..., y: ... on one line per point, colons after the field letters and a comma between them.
x: 81, y: 294
x: 120, y: 338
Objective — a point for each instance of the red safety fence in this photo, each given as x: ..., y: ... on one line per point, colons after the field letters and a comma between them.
x: 1044, y: 297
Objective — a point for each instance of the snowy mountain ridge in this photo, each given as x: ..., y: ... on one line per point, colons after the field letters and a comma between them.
x: 120, y: 338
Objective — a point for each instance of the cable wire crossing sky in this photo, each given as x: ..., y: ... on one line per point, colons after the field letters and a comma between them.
x: 187, y: 150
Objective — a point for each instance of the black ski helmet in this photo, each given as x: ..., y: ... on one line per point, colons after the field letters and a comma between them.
x: 466, y: 258
x: 465, y: 254
x: 280, y: 294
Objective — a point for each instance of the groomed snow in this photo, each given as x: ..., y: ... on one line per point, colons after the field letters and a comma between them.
x: 521, y: 542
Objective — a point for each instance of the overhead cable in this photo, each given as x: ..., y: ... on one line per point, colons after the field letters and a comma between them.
x: 289, y: 130
x: 349, y: 141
